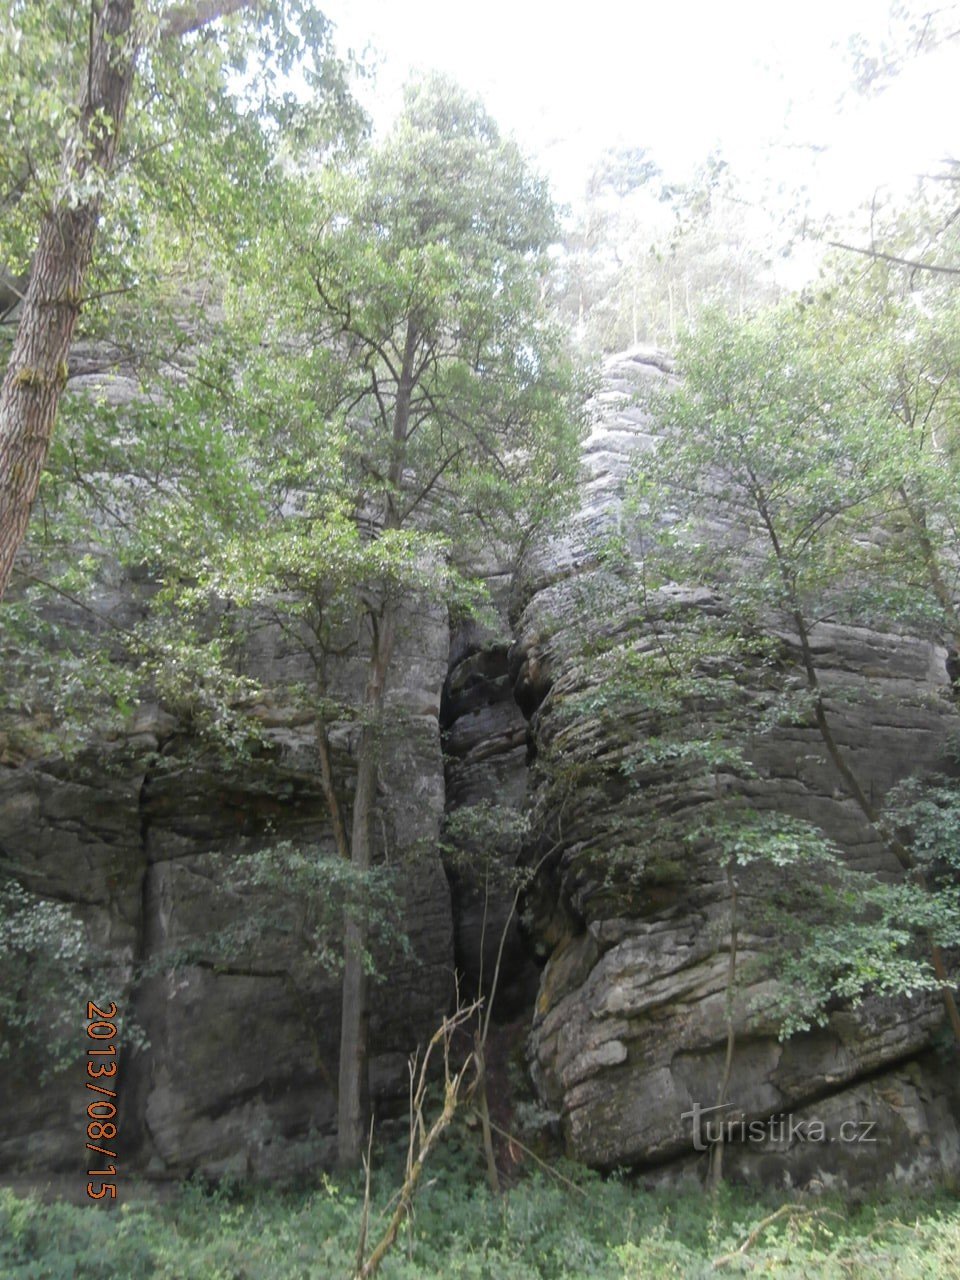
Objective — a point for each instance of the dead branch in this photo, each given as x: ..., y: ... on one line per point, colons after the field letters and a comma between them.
x: 423, y: 1139
x: 785, y: 1211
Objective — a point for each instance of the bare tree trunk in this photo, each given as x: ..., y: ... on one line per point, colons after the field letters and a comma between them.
x: 354, y: 1016
x: 352, y: 1091
x: 37, y: 370
x: 715, y: 1173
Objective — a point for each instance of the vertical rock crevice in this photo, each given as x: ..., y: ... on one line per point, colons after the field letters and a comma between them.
x: 486, y: 746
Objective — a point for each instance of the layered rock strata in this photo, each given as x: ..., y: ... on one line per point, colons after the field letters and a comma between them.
x: 630, y: 1028
x: 620, y: 963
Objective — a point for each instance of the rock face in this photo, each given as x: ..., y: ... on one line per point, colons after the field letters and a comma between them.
x: 485, y: 742
x: 630, y: 1027
x: 239, y: 1070
x: 620, y: 966
x: 228, y: 1060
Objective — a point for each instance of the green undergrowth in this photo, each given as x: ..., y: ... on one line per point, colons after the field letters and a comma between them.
x: 588, y: 1228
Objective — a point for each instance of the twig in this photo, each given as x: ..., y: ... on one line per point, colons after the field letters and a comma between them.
x: 785, y: 1211
x: 572, y: 1186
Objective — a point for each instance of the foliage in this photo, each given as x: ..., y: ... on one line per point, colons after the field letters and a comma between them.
x: 428, y: 266
x: 913, y: 30
x: 196, y: 149
x: 302, y: 895
x: 929, y: 810
x: 298, y: 459
x: 822, y: 475
x: 767, y: 422
x: 56, y: 683
x: 201, y: 164
x: 593, y: 1230
x: 644, y: 256
x: 49, y: 972
x: 486, y: 838
x: 277, y: 510
x: 830, y: 440
x: 833, y: 936
x: 827, y: 428
x: 367, y: 393
x: 812, y: 458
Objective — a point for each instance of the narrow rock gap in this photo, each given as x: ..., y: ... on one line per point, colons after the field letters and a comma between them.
x: 485, y: 742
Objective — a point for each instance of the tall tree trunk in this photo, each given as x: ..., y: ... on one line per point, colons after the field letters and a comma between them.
x: 715, y: 1171
x: 354, y: 1017
x: 37, y: 369
x: 352, y: 1090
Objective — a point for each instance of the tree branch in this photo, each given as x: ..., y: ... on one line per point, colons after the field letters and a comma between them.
x: 182, y: 19
x: 890, y: 257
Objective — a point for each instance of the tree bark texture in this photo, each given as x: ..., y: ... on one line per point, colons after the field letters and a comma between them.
x: 37, y: 370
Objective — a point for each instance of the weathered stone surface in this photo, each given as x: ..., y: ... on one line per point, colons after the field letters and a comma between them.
x: 138, y: 834
x: 898, y: 1128
x: 74, y: 840
x: 629, y: 1032
x: 622, y: 974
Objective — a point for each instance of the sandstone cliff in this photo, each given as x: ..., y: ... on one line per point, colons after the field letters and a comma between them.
x: 621, y: 980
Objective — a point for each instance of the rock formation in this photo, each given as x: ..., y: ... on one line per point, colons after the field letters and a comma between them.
x: 629, y: 1030
x: 229, y: 1066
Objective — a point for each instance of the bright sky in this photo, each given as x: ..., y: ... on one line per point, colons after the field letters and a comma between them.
x: 680, y: 77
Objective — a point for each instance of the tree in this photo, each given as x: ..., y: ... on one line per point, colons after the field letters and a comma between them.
x: 446, y: 403
x: 775, y: 421
x: 651, y: 755
x: 925, y: 246
x: 65, y: 167
x: 646, y: 256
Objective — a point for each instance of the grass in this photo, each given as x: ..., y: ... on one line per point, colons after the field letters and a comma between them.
x: 604, y: 1229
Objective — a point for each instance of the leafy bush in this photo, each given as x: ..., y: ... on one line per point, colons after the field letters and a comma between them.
x: 577, y: 1226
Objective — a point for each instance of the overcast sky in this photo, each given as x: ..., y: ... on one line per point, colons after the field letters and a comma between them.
x: 758, y: 79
